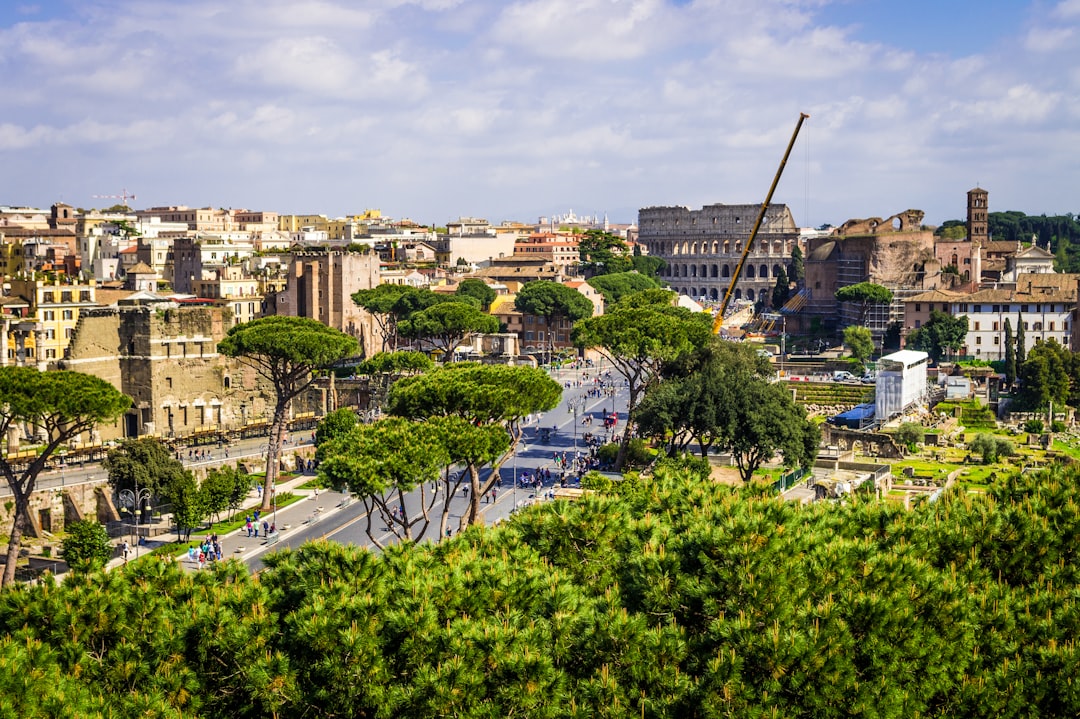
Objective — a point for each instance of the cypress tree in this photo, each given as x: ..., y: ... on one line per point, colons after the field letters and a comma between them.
x: 1021, y: 352
x: 1010, y: 354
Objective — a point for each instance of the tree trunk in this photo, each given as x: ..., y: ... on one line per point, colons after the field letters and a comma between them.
x: 22, y: 505
x: 273, y: 453
x: 474, y: 500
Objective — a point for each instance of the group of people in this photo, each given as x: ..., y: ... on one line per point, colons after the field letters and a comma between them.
x: 251, y: 524
x: 208, y: 551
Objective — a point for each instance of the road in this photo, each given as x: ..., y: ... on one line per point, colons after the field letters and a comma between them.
x: 349, y: 524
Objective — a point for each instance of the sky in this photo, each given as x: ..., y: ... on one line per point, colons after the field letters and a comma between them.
x: 519, y: 109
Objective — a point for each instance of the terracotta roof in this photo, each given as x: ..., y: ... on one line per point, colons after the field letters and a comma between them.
x: 937, y: 296
x: 141, y: 268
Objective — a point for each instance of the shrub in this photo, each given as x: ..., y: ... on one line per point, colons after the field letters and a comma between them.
x: 596, y: 481
x: 910, y: 434
x: 86, y: 547
x: 1034, y: 426
x: 1057, y: 426
x: 991, y: 447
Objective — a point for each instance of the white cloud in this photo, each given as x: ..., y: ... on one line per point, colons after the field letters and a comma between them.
x: 1049, y: 39
x: 1067, y: 9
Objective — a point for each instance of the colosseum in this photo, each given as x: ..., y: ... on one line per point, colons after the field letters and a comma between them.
x: 702, y: 247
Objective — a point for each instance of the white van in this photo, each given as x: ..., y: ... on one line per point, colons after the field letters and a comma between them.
x: 842, y: 376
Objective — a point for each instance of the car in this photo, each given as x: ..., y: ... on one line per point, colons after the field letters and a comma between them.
x: 868, y: 378
x: 842, y: 376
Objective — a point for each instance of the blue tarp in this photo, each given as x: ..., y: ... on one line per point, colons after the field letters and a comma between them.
x: 855, y: 417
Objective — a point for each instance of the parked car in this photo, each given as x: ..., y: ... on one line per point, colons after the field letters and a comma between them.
x: 842, y: 376
x: 868, y: 378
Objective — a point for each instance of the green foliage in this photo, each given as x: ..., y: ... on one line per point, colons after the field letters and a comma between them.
x: 781, y: 290
x: 552, y: 300
x: 603, y: 253
x: 334, y: 425
x: 1057, y: 426
x: 1010, y: 354
x: 991, y: 447
x: 910, y: 435
x: 597, y: 482
x: 479, y: 290
x: 1045, y: 376
x: 863, y: 293
x: 189, y: 504
x: 1034, y: 426
x: 448, y: 324
x: 859, y: 341
x: 796, y: 270
x: 224, y: 488
x: 86, y: 547
x: 648, y: 265
x: 392, y: 363
x: 145, y: 463
x: 618, y: 285
x: 941, y: 334
x: 668, y: 597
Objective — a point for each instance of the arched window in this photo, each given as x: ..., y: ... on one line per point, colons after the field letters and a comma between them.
x: 955, y: 260
x: 713, y: 294
x: 738, y: 293
x: 750, y: 295
x: 704, y: 271
x: 725, y: 271
x: 776, y: 270
x: 693, y: 270
x: 727, y: 247
x: 228, y: 382
x: 675, y: 268
x: 714, y: 271
x: 715, y: 246
x: 763, y: 273
x: 749, y: 272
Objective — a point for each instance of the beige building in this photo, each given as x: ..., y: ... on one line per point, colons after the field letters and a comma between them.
x: 320, y: 285
x: 44, y: 332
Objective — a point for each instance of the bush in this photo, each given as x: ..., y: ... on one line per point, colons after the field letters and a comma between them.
x: 697, y: 466
x: 1057, y: 426
x: 86, y: 547
x: 991, y: 447
x: 638, y: 453
x: 910, y: 434
x: 1034, y: 426
x: 597, y: 482
x: 608, y: 452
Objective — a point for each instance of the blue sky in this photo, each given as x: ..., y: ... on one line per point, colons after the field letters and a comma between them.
x: 514, y: 109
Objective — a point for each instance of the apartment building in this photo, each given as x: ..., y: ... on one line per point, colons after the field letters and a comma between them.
x: 46, y: 326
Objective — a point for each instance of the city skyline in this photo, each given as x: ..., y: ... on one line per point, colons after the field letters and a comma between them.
x: 435, y: 109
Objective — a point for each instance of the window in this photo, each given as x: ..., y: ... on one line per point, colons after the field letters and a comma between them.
x: 918, y: 324
x: 69, y: 332
x: 918, y: 307
x: 976, y: 308
x: 69, y: 314
x: 65, y: 296
x: 1051, y: 326
x: 977, y: 328
x: 50, y: 315
x: 978, y: 340
x: 996, y: 328
x: 997, y: 340
x: 1023, y: 308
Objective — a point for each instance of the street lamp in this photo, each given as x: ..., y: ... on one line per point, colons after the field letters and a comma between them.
x: 576, y: 406
x: 135, y: 499
x: 525, y: 448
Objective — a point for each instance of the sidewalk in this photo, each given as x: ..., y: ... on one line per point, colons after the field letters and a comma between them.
x: 236, y: 544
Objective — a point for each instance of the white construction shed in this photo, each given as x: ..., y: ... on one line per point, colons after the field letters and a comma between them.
x: 901, y: 383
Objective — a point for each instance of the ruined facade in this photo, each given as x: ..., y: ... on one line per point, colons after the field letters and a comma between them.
x: 895, y: 253
x: 703, y: 247
x: 165, y: 358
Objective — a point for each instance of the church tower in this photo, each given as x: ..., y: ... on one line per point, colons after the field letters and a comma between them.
x: 978, y: 228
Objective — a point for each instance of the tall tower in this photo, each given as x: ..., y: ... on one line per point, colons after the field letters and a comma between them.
x: 977, y: 209
x: 978, y: 228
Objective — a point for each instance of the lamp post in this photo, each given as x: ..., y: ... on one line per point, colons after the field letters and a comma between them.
x: 576, y: 405
x: 135, y: 499
x: 525, y: 448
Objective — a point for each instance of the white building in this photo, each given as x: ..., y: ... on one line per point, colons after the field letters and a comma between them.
x: 901, y: 383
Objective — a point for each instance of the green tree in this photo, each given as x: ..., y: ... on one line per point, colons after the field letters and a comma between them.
x: 478, y: 289
x: 639, y: 342
x: 910, y: 434
x: 381, y: 463
x: 144, y: 463
x: 762, y: 421
x: 189, y: 505
x: 385, y: 367
x: 447, y: 325
x: 335, y: 424
x: 690, y: 404
x: 941, y: 334
x: 86, y: 547
x: 497, y: 395
x: 1044, y: 376
x: 796, y: 269
x: 219, y: 489
x: 990, y: 448
x: 647, y: 265
x: 1021, y: 342
x: 603, y: 253
x: 891, y: 341
x: 859, y: 341
x: 1010, y: 354
x: 617, y: 285
x: 286, y: 351
x: 554, y: 302
x: 57, y: 407
x: 864, y: 294
x: 390, y: 304
x: 781, y: 290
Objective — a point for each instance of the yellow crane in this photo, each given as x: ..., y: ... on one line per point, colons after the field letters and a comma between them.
x: 718, y: 323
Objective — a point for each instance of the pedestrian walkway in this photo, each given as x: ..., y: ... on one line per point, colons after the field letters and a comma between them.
x: 313, y: 505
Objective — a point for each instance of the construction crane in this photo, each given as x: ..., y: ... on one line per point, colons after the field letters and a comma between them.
x: 718, y: 323
x: 123, y: 197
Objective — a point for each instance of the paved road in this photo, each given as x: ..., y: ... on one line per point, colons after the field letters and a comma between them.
x: 336, y: 517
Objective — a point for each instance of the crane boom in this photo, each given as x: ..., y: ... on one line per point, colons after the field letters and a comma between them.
x: 719, y: 321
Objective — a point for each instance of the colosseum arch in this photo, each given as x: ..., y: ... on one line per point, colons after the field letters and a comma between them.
x: 727, y: 247
x: 693, y: 270
x: 714, y: 271
x: 749, y: 272
x: 715, y: 246
x: 713, y: 294
x: 763, y: 272
x: 725, y: 271
x: 738, y: 294
x: 750, y: 295
x: 776, y: 270
x: 704, y: 270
